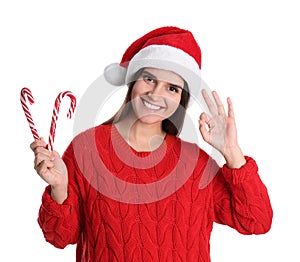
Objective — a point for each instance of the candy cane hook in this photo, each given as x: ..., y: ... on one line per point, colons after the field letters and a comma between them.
x: 56, y: 112
x: 26, y: 93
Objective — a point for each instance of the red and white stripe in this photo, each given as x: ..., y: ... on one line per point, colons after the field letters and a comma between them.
x: 56, y: 112
x: 26, y: 93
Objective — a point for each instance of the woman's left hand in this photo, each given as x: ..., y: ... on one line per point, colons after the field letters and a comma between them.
x: 219, y: 130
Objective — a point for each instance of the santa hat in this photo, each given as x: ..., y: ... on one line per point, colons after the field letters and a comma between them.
x: 168, y: 48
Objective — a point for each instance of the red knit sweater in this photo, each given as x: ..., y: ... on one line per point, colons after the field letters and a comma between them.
x: 125, y: 205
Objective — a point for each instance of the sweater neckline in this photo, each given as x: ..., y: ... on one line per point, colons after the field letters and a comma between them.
x: 142, y: 159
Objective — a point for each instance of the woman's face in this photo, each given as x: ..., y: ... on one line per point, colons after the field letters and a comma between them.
x: 156, y: 95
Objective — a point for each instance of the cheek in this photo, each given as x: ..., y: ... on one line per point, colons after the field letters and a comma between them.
x: 136, y: 91
x: 173, y: 104
x: 174, y: 101
x: 134, y: 99
x: 133, y: 94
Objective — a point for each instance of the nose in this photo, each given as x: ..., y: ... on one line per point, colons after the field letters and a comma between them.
x: 157, y: 89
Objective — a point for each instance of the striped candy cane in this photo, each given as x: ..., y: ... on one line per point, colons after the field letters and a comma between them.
x: 56, y: 112
x: 26, y: 93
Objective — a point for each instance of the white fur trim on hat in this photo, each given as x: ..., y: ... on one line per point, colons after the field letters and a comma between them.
x: 168, y: 58
x: 158, y: 56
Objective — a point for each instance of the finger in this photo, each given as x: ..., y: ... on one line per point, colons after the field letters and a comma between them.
x: 230, y: 108
x: 44, y: 167
x: 41, y: 150
x: 42, y: 154
x: 203, y: 124
x: 38, y: 143
x: 40, y: 158
x: 207, y: 120
x: 54, y: 154
x: 209, y: 103
x: 221, y: 109
x: 204, y: 117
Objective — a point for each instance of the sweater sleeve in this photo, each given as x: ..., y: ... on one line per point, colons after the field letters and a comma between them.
x: 241, y: 199
x: 60, y: 223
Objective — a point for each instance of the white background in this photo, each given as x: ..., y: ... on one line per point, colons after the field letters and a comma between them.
x: 250, y: 53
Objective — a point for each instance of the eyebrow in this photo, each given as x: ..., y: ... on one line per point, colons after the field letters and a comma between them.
x: 147, y: 72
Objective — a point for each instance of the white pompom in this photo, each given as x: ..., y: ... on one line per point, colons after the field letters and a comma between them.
x: 115, y: 74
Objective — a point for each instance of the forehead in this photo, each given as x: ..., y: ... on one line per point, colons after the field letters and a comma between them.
x: 166, y: 76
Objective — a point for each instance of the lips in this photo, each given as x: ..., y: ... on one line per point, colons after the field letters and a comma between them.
x: 150, y: 105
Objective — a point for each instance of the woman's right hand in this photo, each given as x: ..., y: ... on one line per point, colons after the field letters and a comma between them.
x: 52, y: 169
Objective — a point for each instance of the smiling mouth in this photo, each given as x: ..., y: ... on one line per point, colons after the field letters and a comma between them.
x: 150, y: 106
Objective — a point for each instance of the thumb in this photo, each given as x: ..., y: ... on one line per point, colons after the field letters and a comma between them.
x: 44, y: 144
x: 203, y: 123
x: 54, y: 155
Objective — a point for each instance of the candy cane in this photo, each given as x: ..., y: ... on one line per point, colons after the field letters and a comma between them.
x: 26, y: 93
x: 55, y: 114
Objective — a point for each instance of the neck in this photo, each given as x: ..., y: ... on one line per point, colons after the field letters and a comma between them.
x: 141, y: 136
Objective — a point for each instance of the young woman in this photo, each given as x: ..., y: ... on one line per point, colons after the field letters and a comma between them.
x: 130, y: 189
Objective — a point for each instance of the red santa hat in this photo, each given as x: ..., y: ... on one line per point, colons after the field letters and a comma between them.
x: 168, y: 48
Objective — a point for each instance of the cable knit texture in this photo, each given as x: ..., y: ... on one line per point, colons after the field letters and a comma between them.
x: 125, y: 205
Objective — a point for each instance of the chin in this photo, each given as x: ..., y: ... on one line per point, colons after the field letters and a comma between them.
x: 150, y: 119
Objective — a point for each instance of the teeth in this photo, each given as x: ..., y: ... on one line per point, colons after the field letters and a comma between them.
x: 150, y: 106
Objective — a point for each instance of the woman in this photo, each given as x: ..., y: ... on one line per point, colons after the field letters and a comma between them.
x: 131, y: 189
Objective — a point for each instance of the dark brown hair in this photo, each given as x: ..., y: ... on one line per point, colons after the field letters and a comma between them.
x: 171, y: 125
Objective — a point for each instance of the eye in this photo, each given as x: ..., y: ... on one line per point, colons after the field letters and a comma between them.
x: 148, y: 78
x: 174, y: 89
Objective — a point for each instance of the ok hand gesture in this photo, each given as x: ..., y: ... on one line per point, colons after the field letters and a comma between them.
x: 219, y: 130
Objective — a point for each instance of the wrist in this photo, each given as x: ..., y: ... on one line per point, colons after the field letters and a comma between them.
x: 59, y: 193
x: 234, y: 157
